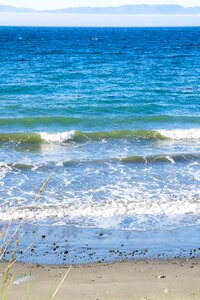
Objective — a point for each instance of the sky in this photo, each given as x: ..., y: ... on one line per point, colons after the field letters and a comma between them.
x: 41, y: 19
x: 52, y: 4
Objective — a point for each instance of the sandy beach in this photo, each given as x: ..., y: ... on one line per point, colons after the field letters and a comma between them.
x: 147, y: 280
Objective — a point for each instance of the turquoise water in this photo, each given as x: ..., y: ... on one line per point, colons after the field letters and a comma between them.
x: 112, y: 115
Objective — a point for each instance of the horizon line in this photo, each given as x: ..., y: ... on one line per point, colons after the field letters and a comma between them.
x: 52, y: 10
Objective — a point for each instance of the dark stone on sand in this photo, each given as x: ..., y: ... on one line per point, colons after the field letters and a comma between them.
x: 101, y: 234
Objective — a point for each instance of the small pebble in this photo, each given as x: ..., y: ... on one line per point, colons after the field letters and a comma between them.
x: 161, y: 276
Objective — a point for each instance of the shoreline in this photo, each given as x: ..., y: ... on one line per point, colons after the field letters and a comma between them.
x: 59, y: 245
x: 139, y: 279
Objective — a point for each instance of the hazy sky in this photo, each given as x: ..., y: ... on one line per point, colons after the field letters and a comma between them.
x: 12, y: 19
x: 51, y: 4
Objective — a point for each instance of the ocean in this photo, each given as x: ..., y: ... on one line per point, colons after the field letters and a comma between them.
x: 100, y: 141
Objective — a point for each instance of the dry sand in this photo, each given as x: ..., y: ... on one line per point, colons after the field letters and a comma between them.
x: 175, y: 279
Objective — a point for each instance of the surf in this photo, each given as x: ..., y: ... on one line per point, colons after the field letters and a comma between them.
x: 79, y: 136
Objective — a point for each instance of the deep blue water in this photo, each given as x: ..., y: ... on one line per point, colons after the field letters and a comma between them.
x: 113, y: 115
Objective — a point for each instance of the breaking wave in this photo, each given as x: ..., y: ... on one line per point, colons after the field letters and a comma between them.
x: 78, y: 136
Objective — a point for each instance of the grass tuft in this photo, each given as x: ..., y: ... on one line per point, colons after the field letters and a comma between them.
x: 8, y: 245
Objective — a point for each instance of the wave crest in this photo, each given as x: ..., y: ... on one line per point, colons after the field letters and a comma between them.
x: 181, y: 134
x: 57, y: 137
x: 78, y: 136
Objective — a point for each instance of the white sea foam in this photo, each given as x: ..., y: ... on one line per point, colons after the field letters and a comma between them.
x: 4, y: 169
x: 111, y: 214
x: 179, y: 134
x: 57, y: 137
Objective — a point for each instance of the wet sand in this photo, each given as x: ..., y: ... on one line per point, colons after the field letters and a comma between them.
x: 61, y: 245
x: 144, y: 280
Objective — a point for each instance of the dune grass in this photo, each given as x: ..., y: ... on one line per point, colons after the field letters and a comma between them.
x: 6, y: 242
x: 8, y: 248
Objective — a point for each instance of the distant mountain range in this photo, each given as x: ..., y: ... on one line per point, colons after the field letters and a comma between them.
x: 125, y: 9
x: 7, y: 8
